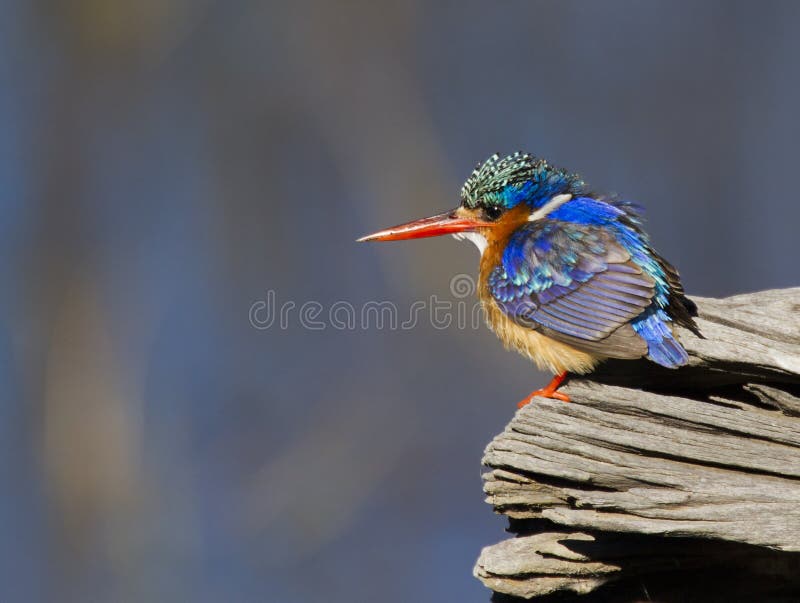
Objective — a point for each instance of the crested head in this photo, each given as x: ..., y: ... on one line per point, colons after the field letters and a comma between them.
x: 519, y: 178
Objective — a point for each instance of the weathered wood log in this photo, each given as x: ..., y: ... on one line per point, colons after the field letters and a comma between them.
x: 693, y: 474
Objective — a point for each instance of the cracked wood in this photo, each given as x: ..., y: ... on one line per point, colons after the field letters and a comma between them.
x: 710, y: 452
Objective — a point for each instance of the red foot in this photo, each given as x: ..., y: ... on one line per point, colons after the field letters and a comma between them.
x: 549, y: 391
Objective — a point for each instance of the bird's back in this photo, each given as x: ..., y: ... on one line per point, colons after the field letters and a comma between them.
x: 581, y: 283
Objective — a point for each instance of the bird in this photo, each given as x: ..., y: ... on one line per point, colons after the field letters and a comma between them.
x: 568, y: 277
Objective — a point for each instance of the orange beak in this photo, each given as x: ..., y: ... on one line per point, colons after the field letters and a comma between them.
x: 442, y: 224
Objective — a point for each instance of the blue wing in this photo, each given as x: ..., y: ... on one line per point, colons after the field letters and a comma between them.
x: 593, y: 285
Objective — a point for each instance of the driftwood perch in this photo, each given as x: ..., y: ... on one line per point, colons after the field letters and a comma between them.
x: 685, y: 488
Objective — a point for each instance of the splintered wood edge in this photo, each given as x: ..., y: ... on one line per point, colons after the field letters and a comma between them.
x: 539, y: 565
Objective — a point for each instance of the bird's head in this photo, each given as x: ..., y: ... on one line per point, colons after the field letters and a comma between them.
x: 500, y: 195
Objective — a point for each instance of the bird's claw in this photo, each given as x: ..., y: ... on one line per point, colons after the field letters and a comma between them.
x: 551, y: 391
x: 543, y: 393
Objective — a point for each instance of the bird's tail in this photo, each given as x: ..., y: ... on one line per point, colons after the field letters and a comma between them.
x: 662, y: 347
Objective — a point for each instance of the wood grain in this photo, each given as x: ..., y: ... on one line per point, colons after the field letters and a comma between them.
x: 706, y: 457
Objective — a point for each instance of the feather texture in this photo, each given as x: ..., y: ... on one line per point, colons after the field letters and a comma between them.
x: 586, y: 276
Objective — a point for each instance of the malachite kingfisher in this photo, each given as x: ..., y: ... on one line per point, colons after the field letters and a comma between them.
x: 567, y: 276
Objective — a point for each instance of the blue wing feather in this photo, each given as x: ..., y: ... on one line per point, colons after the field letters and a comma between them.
x: 584, y: 272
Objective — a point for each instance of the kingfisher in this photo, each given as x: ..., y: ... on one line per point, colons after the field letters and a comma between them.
x: 568, y: 277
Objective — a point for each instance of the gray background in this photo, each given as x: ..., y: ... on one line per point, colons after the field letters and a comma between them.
x: 166, y: 163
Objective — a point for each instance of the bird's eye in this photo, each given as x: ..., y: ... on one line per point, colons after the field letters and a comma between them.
x: 493, y: 212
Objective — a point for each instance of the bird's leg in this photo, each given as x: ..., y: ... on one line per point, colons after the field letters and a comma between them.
x: 549, y: 391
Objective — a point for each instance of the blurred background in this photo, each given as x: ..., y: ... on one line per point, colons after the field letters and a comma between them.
x: 168, y: 163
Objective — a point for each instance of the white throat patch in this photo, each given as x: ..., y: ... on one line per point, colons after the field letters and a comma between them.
x: 545, y: 209
x: 480, y: 241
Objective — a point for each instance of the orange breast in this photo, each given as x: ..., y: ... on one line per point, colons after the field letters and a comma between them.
x: 545, y: 352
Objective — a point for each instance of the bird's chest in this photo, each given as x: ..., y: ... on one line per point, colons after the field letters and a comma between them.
x: 545, y: 352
